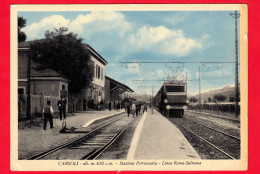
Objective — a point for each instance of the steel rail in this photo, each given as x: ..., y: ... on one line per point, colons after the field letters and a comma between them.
x: 94, y: 155
x: 225, y: 153
x: 232, y: 136
x: 50, y: 151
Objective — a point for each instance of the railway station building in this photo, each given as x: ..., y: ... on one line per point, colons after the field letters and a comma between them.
x: 50, y: 84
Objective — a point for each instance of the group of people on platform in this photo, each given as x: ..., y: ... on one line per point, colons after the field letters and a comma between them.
x: 116, y: 105
x: 102, y: 105
x: 130, y: 108
x: 92, y: 104
x: 135, y: 109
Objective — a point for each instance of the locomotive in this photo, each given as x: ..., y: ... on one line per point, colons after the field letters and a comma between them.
x: 171, y: 99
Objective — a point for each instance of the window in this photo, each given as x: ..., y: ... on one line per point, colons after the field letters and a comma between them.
x: 63, y: 87
x: 21, y: 91
x: 101, y: 74
x: 96, y: 71
x: 174, y: 88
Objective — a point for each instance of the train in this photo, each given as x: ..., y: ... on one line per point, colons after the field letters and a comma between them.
x: 171, y: 99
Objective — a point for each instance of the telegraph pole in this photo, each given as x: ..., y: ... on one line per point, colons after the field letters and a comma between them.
x: 199, y: 91
x: 236, y: 15
x: 28, y: 109
x: 186, y: 83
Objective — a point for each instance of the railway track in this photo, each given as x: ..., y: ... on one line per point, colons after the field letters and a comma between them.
x: 224, y: 133
x: 224, y: 143
x: 215, y: 116
x: 234, y: 133
x: 89, y: 146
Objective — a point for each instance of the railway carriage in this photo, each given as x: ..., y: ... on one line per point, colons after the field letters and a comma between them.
x: 172, y: 98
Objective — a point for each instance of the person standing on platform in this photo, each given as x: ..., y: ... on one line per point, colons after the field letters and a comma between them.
x: 137, y: 109
x: 145, y: 108
x: 128, y: 108
x: 133, y: 109
x: 62, y: 107
x: 117, y: 105
x: 101, y: 105
x: 48, y: 115
x: 109, y: 105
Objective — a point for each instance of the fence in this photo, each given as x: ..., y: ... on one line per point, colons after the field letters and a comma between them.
x: 224, y: 107
x: 37, y: 104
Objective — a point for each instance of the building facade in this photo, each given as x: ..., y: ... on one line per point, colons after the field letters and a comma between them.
x: 90, y: 97
x: 44, y: 85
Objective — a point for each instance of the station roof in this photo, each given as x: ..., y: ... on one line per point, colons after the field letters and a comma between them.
x: 118, y: 87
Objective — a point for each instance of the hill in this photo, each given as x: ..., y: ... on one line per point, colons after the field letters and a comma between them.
x: 227, y: 91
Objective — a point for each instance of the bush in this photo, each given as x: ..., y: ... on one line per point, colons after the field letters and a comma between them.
x: 219, y: 97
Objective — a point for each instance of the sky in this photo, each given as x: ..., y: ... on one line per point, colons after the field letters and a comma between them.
x: 161, y: 36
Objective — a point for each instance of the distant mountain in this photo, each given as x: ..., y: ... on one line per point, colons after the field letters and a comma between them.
x: 227, y: 91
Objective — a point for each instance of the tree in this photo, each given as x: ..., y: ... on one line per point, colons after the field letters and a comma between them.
x: 231, y: 99
x: 65, y: 53
x: 219, y: 97
x: 193, y: 99
x: 21, y: 35
x: 209, y: 99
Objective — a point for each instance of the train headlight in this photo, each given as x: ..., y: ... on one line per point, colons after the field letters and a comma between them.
x: 165, y: 101
x: 168, y: 107
x: 185, y: 107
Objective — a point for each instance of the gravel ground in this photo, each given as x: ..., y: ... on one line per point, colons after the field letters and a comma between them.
x: 219, y: 124
x: 224, y: 142
x: 204, y: 150
x: 32, y: 139
x: 102, y: 136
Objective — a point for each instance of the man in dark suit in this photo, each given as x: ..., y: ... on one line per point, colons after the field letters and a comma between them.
x: 62, y: 107
x: 109, y: 105
x: 128, y: 108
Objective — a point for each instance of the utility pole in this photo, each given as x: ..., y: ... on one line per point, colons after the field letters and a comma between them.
x: 236, y: 15
x: 199, y: 91
x: 28, y: 109
x: 186, y: 83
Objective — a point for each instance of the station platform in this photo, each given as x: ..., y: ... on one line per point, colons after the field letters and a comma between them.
x: 34, y: 140
x: 156, y: 138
